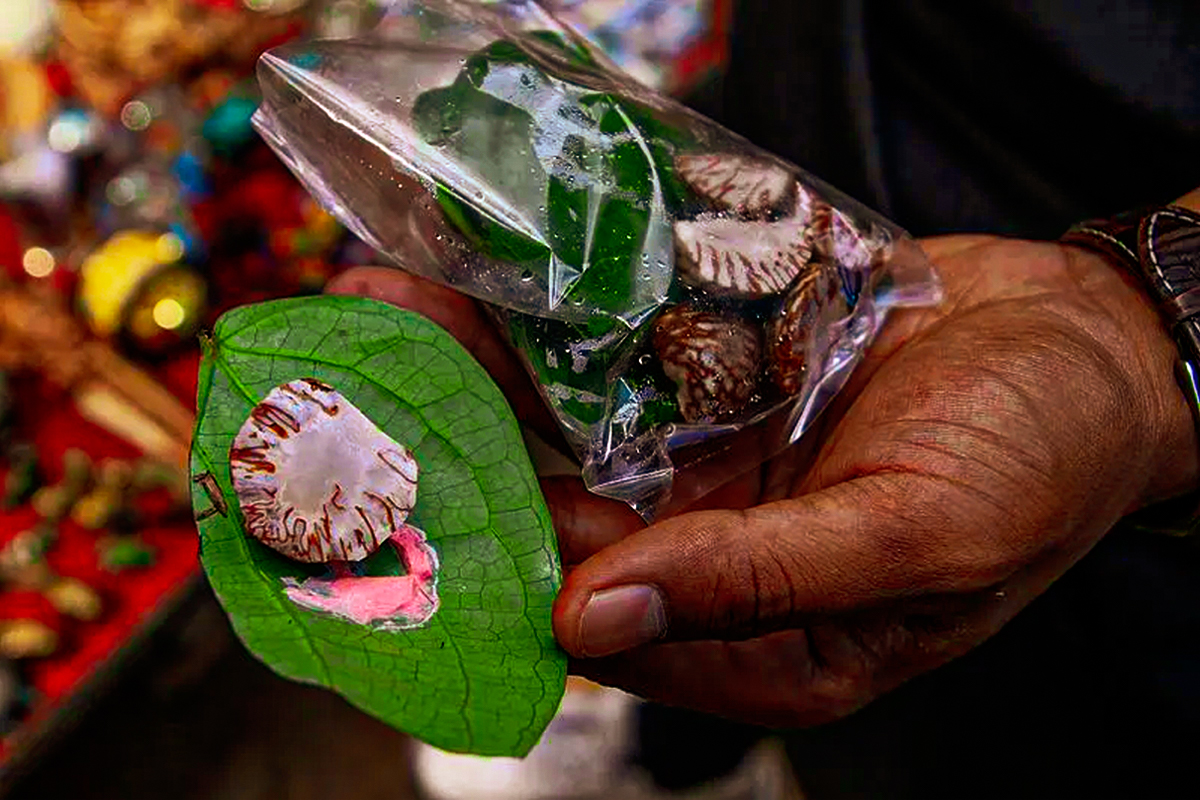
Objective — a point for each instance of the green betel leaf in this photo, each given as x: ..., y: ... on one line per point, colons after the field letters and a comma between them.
x: 589, y: 185
x: 483, y: 674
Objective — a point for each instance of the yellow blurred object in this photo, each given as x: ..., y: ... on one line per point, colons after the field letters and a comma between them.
x: 320, y: 224
x: 113, y: 273
x: 38, y: 334
x: 74, y: 598
x: 95, y: 509
x: 28, y: 97
x: 51, y: 502
x: 114, y: 48
x: 117, y: 413
x: 578, y: 684
x: 167, y: 308
x: 26, y: 638
x: 26, y: 101
x: 135, y: 284
x: 169, y: 248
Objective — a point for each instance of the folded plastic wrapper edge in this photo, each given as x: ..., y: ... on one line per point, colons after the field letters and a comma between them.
x: 687, y: 303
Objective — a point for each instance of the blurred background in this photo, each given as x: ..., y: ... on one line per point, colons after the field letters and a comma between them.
x: 136, y: 205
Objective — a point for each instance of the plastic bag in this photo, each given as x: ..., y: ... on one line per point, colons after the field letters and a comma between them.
x: 666, y: 283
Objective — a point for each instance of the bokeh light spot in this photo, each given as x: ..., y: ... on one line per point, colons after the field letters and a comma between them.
x: 169, y: 313
x: 136, y: 115
x: 38, y: 262
x: 169, y: 248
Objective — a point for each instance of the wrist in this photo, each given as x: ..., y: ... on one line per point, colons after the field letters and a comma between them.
x: 1141, y: 342
x: 1172, y: 436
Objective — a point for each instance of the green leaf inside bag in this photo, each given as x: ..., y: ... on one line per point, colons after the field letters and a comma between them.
x: 575, y: 163
x: 484, y: 675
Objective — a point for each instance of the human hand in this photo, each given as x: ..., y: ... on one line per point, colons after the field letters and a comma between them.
x: 981, y: 449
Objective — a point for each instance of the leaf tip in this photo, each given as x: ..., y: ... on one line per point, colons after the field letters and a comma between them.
x: 208, y: 342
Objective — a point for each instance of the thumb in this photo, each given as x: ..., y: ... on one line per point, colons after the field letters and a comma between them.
x: 740, y: 574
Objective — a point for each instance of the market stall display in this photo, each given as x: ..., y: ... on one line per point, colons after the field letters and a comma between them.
x: 135, y: 205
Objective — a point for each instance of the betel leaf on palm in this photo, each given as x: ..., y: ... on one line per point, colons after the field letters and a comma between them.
x: 483, y: 674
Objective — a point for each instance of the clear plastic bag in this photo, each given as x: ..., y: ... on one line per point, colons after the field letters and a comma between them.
x: 667, y: 283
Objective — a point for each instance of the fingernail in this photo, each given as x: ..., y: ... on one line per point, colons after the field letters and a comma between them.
x: 622, y: 618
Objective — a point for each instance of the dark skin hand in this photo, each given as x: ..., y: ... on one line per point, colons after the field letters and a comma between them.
x: 982, y: 448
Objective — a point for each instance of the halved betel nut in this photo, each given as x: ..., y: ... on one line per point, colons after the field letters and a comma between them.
x: 316, y: 479
x: 741, y: 249
x: 750, y: 187
x: 713, y: 357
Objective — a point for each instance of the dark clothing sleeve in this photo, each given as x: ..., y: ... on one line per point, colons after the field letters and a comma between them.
x: 1010, y: 116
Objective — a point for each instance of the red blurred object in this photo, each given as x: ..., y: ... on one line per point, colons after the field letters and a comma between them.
x: 63, y: 280
x: 292, y: 31
x: 59, y: 79
x: 251, y: 224
x: 134, y: 600
x: 10, y: 246
x: 211, y: 88
x: 267, y: 199
x: 709, y: 55
x: 33, y: 606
